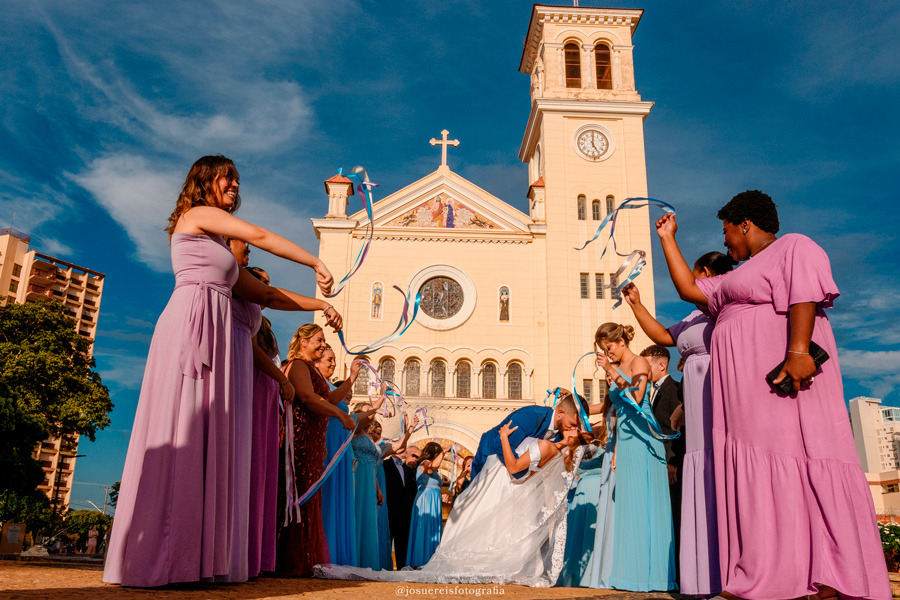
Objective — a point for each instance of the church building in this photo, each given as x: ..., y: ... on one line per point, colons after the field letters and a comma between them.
x: 508, y: 304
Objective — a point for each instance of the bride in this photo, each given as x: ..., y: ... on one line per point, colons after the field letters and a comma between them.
x: 501, y: 529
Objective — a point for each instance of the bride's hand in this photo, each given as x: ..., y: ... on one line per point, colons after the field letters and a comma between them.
x: 505, y: 430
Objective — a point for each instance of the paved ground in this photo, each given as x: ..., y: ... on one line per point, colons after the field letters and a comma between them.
x: 45, y: 580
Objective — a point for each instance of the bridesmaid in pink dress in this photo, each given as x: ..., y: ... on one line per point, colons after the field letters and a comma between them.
x: 268, y: 379
x: 175, y: 511
x: 795, y: 514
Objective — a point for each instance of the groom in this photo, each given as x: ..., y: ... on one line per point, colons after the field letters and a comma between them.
x: 532, y: 421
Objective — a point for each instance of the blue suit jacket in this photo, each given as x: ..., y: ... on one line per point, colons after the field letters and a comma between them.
x: 532, y: 421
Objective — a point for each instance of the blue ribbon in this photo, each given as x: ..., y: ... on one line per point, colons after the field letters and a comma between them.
x: 638, y: 257
x: 405, y: 321
x: 363, y: 188
x: 328, y: 469
x: 581, y: 412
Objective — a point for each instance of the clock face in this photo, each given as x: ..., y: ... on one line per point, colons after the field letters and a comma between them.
x: 592, y: 143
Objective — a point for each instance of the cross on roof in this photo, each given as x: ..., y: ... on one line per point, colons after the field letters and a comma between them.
x: 444, y: 142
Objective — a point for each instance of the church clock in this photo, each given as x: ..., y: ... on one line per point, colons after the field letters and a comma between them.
x: 593, y: 142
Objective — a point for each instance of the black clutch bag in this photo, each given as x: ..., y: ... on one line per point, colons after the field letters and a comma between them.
x: 786, y: 386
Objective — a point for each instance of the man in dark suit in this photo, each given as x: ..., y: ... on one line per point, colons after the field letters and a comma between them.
x: 400, y: 480
x: 665, y: 400
x: 530, y: 421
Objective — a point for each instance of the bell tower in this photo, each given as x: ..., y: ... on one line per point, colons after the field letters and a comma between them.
x: 584, y: 146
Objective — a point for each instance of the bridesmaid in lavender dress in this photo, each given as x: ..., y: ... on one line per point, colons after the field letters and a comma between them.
x: 264, y: 453
x: 174, y: 515
x: 795, y: 514
x: 699, y: 550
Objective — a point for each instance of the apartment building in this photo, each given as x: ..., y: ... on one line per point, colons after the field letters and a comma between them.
x: 25, y: 276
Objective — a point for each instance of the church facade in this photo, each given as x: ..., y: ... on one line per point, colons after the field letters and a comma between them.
x: 507, y: 303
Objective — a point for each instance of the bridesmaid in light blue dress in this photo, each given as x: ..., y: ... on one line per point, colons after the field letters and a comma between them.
x: 384, y: 527
x: 602, y: 559
x: 643, y: 540
x: 589, y: 542
x: 338, y: 514
x: 581, y: 519
x: 368, y: 459
x: 425, y: 526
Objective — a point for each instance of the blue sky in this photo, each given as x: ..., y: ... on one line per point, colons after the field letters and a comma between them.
x: 106, y: 104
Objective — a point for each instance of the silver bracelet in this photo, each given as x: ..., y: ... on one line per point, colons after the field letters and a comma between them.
x: 796, y: 352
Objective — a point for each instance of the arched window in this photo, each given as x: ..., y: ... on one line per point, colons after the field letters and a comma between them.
x: 604, y: 67
x: 582, y: 208
x: 463, y: 379
x: 411, y: 372
x: 361, y: 385
x: 610, y: 204
x: 514, y: 381
x: 386, y: 369
x: 438, y: 379
x: 489, y: 381
x: 595, y: 210
x: 573, y: 65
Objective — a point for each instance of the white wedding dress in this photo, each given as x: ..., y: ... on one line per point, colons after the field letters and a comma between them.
x: 501, y: 530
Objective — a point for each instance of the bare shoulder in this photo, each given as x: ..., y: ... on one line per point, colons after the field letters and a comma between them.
x: 196, y: 219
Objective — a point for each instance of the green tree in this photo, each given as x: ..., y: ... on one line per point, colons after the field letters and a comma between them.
x: 48, y: 366
x: 114, y: 493
x: 32, y: 508
x: 19, y: 432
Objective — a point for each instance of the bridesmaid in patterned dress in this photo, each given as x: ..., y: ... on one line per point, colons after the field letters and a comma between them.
x: 302, y: 543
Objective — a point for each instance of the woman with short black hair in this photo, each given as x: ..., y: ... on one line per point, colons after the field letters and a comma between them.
x: 795, y: 514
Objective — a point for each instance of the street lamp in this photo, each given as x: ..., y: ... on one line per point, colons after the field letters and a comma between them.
x: 58, y: 473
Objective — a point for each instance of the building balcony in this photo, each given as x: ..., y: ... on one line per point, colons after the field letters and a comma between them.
x: 36, y: 291
x: 43, y: 276
x: 92, y: 286
x: 90, y: 302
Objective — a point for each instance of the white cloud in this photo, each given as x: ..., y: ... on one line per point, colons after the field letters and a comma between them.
x: 877, y: 371
x: 27, y: 205
x: 139, y: 196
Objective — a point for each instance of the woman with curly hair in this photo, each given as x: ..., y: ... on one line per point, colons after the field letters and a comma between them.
x: 175, y: 512
x: 795, y: 515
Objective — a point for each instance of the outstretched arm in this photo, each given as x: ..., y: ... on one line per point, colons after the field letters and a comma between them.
x: 679, y: 271
x: 653, y: 328
x: 343, y: 390
x: 400, y: 445
x: 253, y: 290
x: 208, y: 219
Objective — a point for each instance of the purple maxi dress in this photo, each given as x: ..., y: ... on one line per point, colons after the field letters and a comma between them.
x: 264, y: 472
x: 699, y: 551
x: 173, y: 518
x: 794, y: 507
x: 247, y: 317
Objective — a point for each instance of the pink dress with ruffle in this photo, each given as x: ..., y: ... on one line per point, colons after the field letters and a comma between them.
x: 794, y: 507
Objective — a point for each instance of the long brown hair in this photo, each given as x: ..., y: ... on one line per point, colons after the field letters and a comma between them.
x: 304, y: 332
x: 198, y: 187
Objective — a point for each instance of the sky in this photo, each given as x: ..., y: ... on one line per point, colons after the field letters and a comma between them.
x: 106, y: 104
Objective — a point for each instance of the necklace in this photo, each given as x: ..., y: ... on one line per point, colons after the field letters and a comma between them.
x: 766, y: 245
